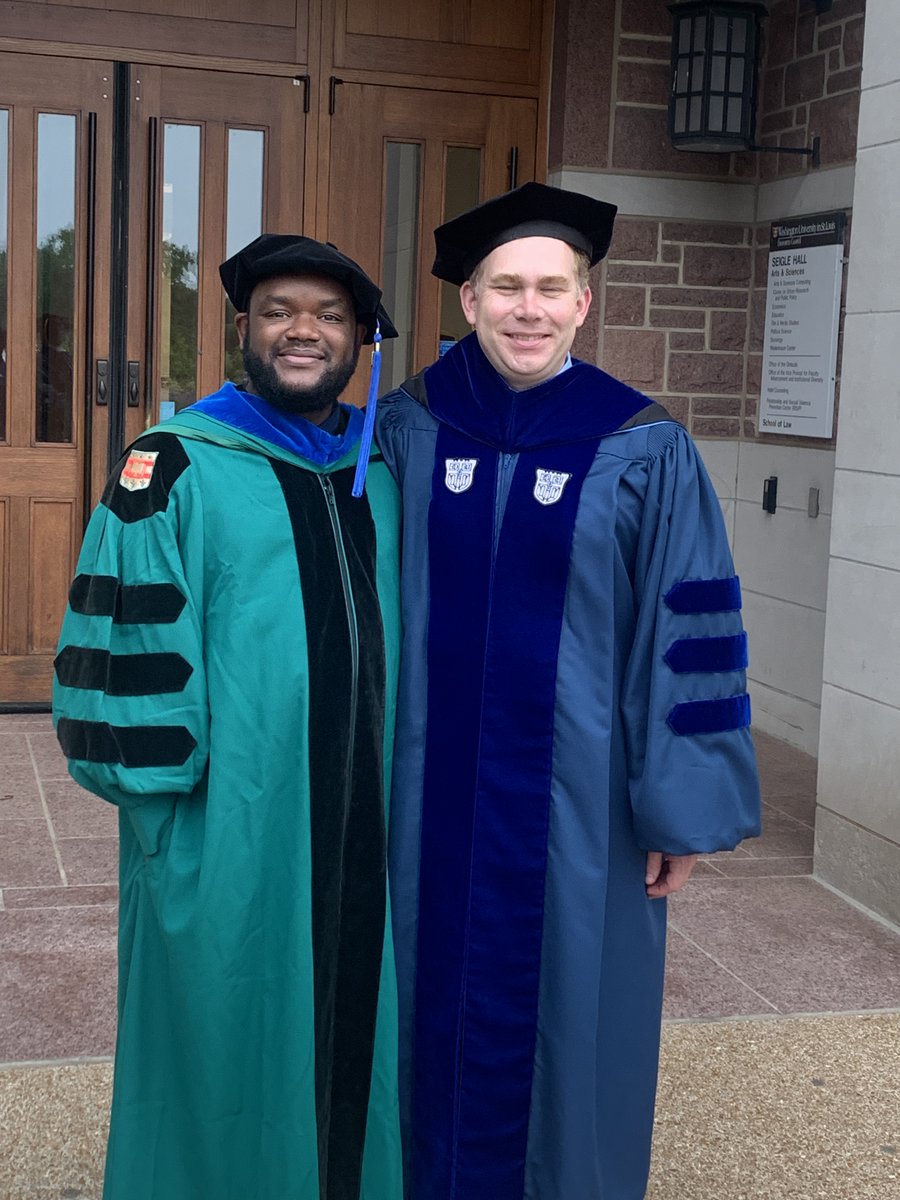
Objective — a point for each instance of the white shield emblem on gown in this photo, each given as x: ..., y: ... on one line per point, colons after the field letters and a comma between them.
x: 548, y: 485
x: 138, y: 470
x: 459, y: 473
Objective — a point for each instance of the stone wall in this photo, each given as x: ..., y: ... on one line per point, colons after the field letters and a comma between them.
x: 858, y: 820
x: 676, y: 319
x: 680, y: 309
x: 810, y: 83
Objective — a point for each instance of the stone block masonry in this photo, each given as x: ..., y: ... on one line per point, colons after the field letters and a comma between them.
x: 676, y: 320
x: 810, y: 84
x: 679, y: 313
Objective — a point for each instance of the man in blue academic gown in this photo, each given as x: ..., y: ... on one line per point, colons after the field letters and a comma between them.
x: 573, y: 723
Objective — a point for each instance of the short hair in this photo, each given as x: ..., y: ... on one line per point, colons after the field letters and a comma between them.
x: 582, y: 267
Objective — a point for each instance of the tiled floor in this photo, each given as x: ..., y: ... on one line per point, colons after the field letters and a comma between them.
x: 752, y: 936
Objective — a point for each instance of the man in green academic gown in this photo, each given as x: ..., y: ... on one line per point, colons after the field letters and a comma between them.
x: 226, y: 676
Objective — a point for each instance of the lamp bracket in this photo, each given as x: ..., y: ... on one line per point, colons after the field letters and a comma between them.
x: 812, y: 151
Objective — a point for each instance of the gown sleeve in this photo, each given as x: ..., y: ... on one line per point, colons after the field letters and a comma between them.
x: 389, y: 431
x: 692, y: 772
x: 129, y: 694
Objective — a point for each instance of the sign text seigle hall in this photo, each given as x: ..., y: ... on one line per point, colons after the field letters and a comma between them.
x: 803, y: 307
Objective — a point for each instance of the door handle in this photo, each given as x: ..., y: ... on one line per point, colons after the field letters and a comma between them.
x: 134, y: 385
x: 101, y: 390
x: 333, y: 85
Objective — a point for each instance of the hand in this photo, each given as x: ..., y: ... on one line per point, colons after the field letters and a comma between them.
x: 666, y: 873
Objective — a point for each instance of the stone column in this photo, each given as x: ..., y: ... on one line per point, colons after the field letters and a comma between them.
x: 858, y: 819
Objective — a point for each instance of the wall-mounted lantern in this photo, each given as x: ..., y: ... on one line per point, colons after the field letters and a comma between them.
x: 715, y: 61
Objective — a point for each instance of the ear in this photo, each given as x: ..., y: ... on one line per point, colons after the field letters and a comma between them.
x: 467, y: 300
x: 582, y: 306
x: 241, y: 321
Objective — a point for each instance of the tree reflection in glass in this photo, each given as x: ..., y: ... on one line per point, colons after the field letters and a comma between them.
x: 179, y: 267
x: 55, y: 278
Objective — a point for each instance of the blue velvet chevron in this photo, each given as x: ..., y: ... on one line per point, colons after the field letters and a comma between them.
x: 710, y: 716
x: 690, y: 596
x: 708, y: 654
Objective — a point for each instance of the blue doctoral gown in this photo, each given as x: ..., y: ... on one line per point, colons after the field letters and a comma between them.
x: 572, y: 695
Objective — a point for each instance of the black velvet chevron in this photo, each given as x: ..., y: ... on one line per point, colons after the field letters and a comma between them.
x: 138, y: 604
x: 122, y: 674
x: 131, y: 745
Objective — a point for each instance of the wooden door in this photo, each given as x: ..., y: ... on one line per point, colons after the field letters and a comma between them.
x: 226, y: 162
x: 402, y: 161
x: 54, y: 233
x: 454, y: 39
x: 117, y: 204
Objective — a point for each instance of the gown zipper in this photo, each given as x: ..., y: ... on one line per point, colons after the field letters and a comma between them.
x: 352, y: 626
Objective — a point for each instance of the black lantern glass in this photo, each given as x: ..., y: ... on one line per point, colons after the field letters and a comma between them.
x: 715, y: 44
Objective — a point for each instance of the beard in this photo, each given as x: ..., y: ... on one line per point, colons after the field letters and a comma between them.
x: 320, y: 397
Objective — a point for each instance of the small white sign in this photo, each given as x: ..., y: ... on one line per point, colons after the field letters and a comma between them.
x: 803, y: 308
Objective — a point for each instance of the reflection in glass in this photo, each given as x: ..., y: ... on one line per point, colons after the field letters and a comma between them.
x: 462, y: 190
x: 243, y: 221
x: 55, y: 276
x: 401, y: 233
x: 4, y: 208
x: 180, y: 260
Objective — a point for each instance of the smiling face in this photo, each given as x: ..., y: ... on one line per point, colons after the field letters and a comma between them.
x: 526, y: 305
x: 300, y: 340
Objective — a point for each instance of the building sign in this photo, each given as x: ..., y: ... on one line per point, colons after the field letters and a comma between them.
x: 803, y: 308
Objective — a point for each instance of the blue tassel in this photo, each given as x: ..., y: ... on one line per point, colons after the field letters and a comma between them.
x: 365, y: 443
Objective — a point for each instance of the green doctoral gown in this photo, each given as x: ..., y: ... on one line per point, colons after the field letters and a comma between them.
x: 226, y: 676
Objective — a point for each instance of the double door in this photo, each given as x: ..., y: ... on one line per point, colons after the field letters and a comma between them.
x: 122, y: 188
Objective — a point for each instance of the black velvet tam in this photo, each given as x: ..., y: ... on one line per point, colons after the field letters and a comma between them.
x: 532, y: 210
x: 292, y: 254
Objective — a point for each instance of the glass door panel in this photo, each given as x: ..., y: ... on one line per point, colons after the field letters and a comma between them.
x: 178, y: 345
x: 462, y: 190
x: 243, y: 220
x: 402, y: 174
x: 4, y: 290
x: 55, y: 277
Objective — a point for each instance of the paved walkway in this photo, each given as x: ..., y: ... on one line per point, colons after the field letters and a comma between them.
x: 781, y: 1048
